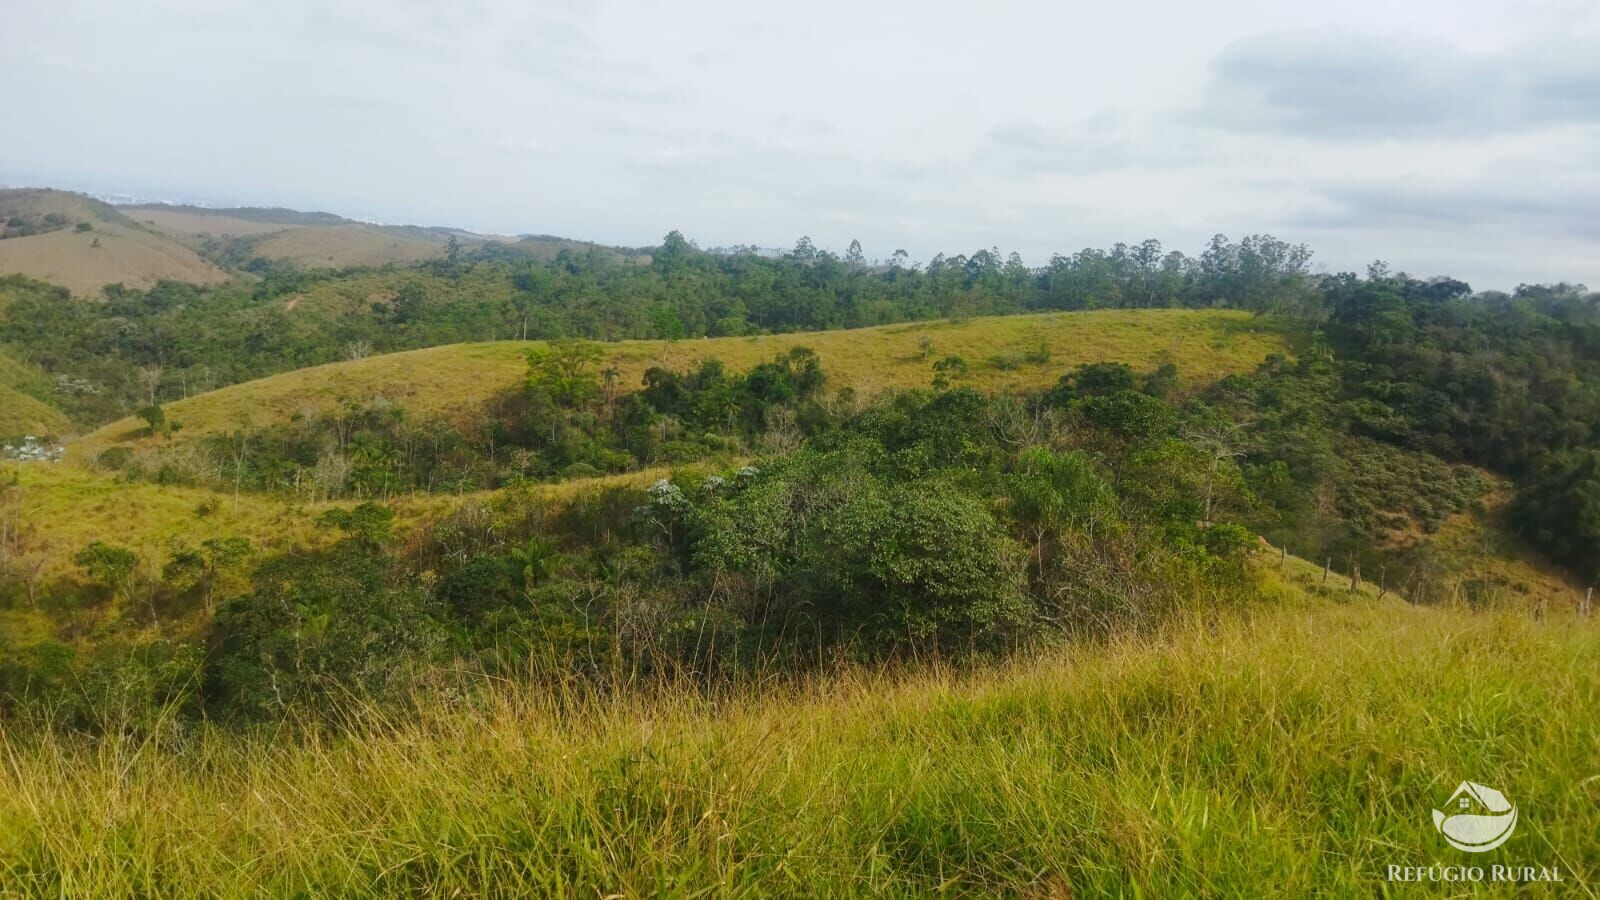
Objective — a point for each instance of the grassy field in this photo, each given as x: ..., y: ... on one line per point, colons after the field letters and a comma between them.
x: 1204, y: 344
x: 50, y: 512
x: 22, y: 411
x: 192, y: 223
x: 116, y: 250
x: 313, y: 245
x: 1291, y: 750
x: 314, y: 240
x: 21, y: 414
x: 134, y: 258
x: 67, y: 506
x: 338, y: 246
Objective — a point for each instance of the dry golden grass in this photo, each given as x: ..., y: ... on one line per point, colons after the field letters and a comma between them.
x: 309, y: 245
x: 195, y: 223
x: 126, y: 255
x: 1204, y: 344
x: 1488, y: 562
x: 339, y: 246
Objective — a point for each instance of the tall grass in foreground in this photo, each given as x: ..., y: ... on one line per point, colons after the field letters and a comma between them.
x: 1294, y: 751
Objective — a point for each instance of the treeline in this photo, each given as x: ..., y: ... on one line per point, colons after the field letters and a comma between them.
x: 132, y: 349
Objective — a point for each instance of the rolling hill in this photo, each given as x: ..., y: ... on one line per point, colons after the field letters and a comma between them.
x: 317, y: 240
x: 82, y: 244
x: 311, y: 240
x: 1204, y: 344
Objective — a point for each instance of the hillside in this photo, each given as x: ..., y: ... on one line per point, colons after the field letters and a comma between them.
x: 318, y: 240
x: 1204, y: 345
x: 89, y: 245
x: 21, y: 414
x: 312, y: 240
x: 1299, y: 747
x: 84, y: 244
x: 23, y: 408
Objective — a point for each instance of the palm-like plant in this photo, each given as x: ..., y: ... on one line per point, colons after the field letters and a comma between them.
x: 532, y: 562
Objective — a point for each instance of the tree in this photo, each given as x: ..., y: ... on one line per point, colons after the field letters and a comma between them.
x: 674, y: 253
x: 1050, y: 493
x: 561, y: 372
x: 369, y: 525
x: 948, y: 370
x: 532, y: 562
x: 109, y: 565
x: 154, y: 417
x: 205, y: 567
x: 150, y: 382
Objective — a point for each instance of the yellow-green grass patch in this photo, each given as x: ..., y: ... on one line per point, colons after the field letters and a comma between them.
x: 1203, y: 344
x: 1294, y: 751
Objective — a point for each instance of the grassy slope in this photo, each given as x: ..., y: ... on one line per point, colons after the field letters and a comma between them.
x: 313, y: 244
x: 128, y: 253
x: 1204, y: 344
x: 320, y: 240
x: 69, y: 506
x: 339, y: 246
x: 192, y: 223
x: 1291, y: 751
x: 21, y: 414
x: 22, y: 408
x: 63, y: 508
x: 1487, y: 559
x: 34, y: 203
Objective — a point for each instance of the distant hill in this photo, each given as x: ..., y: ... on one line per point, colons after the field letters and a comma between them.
x: 83, y: 245
x: 236, y: 236
x: 309, y: 239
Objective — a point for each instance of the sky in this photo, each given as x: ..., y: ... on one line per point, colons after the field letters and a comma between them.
x: 1457, y: 138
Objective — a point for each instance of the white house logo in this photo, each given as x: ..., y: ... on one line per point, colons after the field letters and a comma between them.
x: 1477, y: 818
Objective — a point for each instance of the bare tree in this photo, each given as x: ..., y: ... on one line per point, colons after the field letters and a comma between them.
x: 1221, y: 441
x: 150, y: 382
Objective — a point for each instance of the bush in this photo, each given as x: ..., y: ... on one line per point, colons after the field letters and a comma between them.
x: 319, y: 627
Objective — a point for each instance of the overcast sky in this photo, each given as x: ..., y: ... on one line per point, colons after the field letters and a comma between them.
x: 1445, y: 137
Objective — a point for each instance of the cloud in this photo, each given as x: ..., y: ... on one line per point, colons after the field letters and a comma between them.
x: 1349, y: 85
x: 1458, y: 207
x: 1104, y: 141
